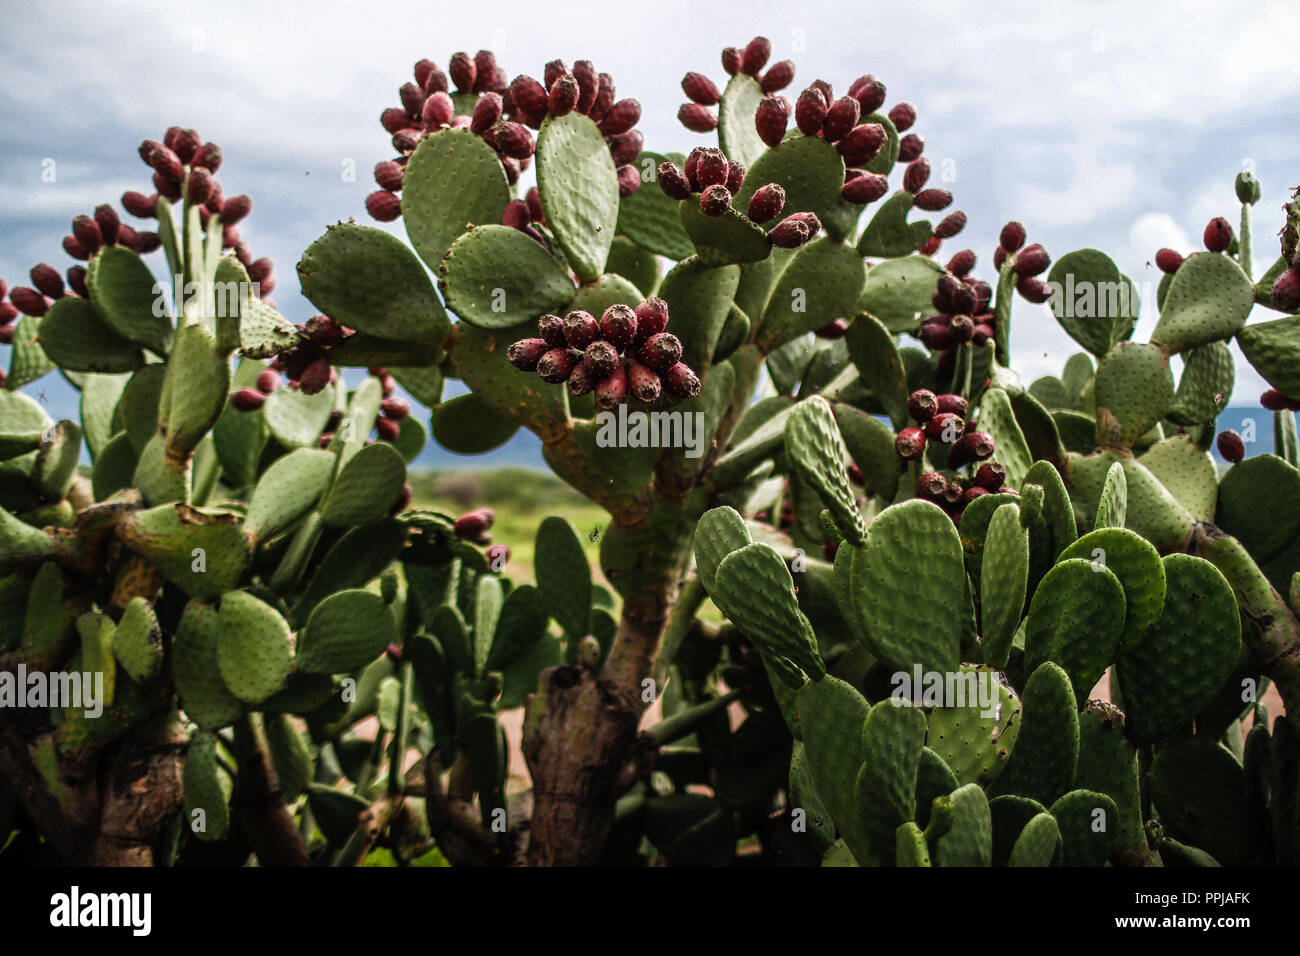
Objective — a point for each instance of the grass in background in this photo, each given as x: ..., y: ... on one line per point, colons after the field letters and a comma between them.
x: 521, y: 498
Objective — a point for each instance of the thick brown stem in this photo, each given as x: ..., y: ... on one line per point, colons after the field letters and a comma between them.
x: 266, y: 820
x: 1274, y: 635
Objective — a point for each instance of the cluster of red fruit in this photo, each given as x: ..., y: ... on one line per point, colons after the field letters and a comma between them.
x: 942, y: 418
x: 184, y: 167
x: 962, y: 312
x: 626, y: 351
x: 1217, y: 238
x: 1029, y: 262
x: 473, y: 526
x: 392, y: 409
x: 502, y: 115
x: 717, y: 179
x: 703, y: 93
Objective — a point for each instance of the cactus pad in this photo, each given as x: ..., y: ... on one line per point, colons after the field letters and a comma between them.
x: 1139, y: 569
x: 816, y: 450
x: 1134, y: 390
x: 1004, y: 580
x: 753, y: 587
x: 579, y: 191
x: 1186, y: 657
x: 255, y: 649
x: 495, y: 277
x: 1046, y: 752
x: 1208, y: 300
x: 1076, y: 618
x: 345, y: 632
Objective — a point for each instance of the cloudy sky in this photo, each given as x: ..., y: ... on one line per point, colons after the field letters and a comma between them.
x: 1114, y: 125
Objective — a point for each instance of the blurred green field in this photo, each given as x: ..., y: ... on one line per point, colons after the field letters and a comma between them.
x: 522, y: 499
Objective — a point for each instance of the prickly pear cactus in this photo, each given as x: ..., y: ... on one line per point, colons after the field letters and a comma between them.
x: 921, y: 570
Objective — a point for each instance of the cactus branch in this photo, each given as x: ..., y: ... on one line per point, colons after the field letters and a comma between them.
x: 267, y: 821
x: 1274, y: 634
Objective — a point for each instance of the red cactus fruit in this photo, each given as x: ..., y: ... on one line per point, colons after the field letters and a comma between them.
x: 681, y: 381
x: 697, y: 118
x: 866, y: 188
x: 778, y: 76
x: 1218, y: 235
x: 622, y: 116
x: 46, y: 278
x: 267, y: 381
x: 1033, y: 289
x: 862, y: 144
x: 840, y: 118
x: 473, y: 525
x: 600, y: 358
x: 1230, y: 446
x: 932, y: 486
x: 208, y: 156
x: 755, y: 56
x: 248, y: 399
x: 563, y: 96
x: 660, y: 351
x: 991, y: 476
x: 771, y: 119
x: 715, y: 200
x: 528, y: 95
x: 525, y: 353
x: 618, y: 326
x: 790, y: 233
x: 1285, y: 293
x: 916, y: 175
x: 1012, y: 236
x: 388, y: 174
x: 950, y: 225
x: 910, y: 444
x: 651, y: 318
x: 903, y: 116
x: 77, y: 281
x: 140, y: 205
x: 581, y: 380
x: 383, y: 205
x: 731, y: 60
x: 933, y: 200
x: 869, y: 92
x: 673, y: 181
x: 28, y: 301
x: 438, y: 111
x: 629, y: 180
x: 910, y: 147
x: 612, y: 390
x: 766, y: 203
x: 643, y: 382
x: 551, y: 329
x: 810, y: 111
x: 395, y: 408
x: 554, y: 366
x: 711, y: 168
x: 922, y: 404
x: 834, y: 329
x: 950, y: 404
x: 946, y: 427
x: 1032, y: 260
x: 700, y: 89
x: 1168, y: 261
x: 580, y: 329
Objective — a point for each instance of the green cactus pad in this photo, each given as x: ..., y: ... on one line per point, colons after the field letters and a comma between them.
x: 998, y: 419
x: 368, y: 280
x: 96, y: 633
x: 1039, y: 842
x: 1200, y: 792
x: 1205, y: 385
x: 1089, y: 827
x: 138, y: 641
x: 1152, y: 511
x: 1108, y: 764
x: 719, y: 532
x: 1139, y: 569
x: 1265, y: 533
x: 898, y: 291
x: 563, y: 574
x: 1092, y: 301
x: 202, y: 382
x: 99, y: 397
x: 1051, y: 392
x: 808, y: 168
x: 909, y: 584
x: 1208, y: 300
x: 889, y: 234
x: 968, y: 840
x: 288, y: 490
x: 816, y: 450
x: 1134, y: 390
x: 122, y: 292
x: 579, y: 191
x: 1187, y: 472
x: 293, y: 761
x: 650, y: 218
x: 488, y: 598
x: 910, y: 848
x: 239, y: 437
x: 345, y: 632
x: 1274, y: 349
x: 1076, y: 618
x: 47, y: 635
x: 973, y: 741
x: 27, y: 360
x: 1004, y: 579
x: 56, y: 460
x: 737, y: 135
x: 295, y: 418
x: 366, y: 488
x: 1042, y: 437
x: 1112, y: 505
x: 138, y: 410
x: 207, y: 789
x: 822, y: 283
x: 1046, y: 753
x: 114, y: 467
x: 1186, y: 657
x: 453, y: 182
x: 72, y: 334
x: 203, y: 554
x: 495, y: 277
x: 1286, y: 441
x: 753, y: 587
x: 521, y: 624
x: 934, y: 779
x: 1078, y: 431
x: 255, y: 649
x: 723, y: 240
x: 1057, y: 512
x: 831, y: 717
x: 699, y: 301
x: 204, y: 697
x: 1010, y: 813
x: 870, y: 443
x: 264, y: 332
x: 893, y: 737
x: 875, y: 354
x: 467, y: 425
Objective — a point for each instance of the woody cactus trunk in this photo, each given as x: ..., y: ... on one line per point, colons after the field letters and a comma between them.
x: 808, y: 419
